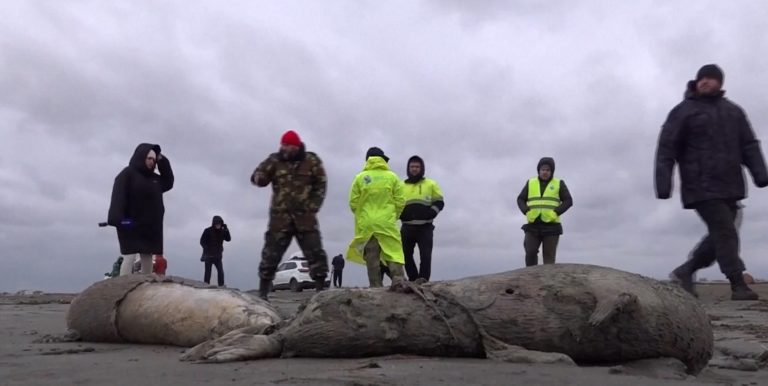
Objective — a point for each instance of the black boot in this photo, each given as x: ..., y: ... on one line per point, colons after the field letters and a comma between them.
x: 684, y: 277
x: 264, y: 287
x: 319, y: 284
x: 739, y: 289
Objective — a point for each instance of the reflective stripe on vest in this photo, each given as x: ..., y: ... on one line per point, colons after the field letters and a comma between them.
x: 543, y: 205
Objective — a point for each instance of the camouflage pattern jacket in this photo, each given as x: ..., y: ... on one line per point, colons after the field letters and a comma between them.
x: 298, y: 189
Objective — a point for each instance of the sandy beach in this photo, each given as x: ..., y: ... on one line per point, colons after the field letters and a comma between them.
x: 741, y: 356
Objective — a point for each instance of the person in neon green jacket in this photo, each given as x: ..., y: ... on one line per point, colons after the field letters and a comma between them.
x: 377, y: 199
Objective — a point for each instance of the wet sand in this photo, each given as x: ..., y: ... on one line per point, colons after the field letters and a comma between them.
x: 741, y: 357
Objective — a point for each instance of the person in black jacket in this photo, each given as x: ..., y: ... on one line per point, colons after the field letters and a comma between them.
x: 137, y: 208
x: 338, y: 269
x: 543, y: 200
x: 710, y: 138
x: 212, y: 240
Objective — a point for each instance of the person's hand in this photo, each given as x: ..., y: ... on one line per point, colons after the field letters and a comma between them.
x: 256, y: 177
x: 126, y: 223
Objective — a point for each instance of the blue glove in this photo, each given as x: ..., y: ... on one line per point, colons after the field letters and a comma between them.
x: 126, y: 223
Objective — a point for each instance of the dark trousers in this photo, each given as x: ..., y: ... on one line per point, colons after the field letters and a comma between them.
x: 337, y: 277
x: 420, y: 235
x: 219, y: 270
x: 275, y: 244
x: 721, y: 243
x: 531, y: 244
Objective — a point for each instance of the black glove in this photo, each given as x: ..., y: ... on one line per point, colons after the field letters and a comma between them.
x: 156, y: 148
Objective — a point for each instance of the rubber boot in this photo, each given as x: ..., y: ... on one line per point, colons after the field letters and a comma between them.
x: 740, y: 290
x: 684, y: 277
x: 264, y: 287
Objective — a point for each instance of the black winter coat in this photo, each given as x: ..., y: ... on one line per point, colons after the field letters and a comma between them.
x: 710, y: 138
x: 137, y: 194
x: 338, y: 263
x: 212, y: 240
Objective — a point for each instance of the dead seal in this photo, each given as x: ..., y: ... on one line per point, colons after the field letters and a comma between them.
x: 548, y: 313
x: 163, y: 310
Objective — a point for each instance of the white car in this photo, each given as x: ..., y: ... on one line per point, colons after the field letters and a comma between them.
x: 294, y: 275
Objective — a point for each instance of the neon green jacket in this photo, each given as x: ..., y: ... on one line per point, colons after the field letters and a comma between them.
x: 376, y: 199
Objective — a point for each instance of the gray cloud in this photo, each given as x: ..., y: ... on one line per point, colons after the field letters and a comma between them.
x: 481, y: 90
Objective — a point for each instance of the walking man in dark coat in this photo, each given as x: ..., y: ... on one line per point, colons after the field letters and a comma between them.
x: 212, y: 240
x: 710, y: 139
x: 137, y: 209
x: 338, y: 268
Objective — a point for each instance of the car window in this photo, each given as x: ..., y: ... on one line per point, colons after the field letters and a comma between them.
x: 290, y: 265
x: 281, y: 267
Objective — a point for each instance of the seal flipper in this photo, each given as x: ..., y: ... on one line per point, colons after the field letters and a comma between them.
x: 237, y: 345
x: 608, y: 307
x: 497, y: 350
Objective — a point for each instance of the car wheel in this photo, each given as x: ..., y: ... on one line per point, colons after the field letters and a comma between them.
x: 295, y: 285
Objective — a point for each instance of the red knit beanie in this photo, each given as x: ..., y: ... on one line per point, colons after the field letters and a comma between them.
x: 290, y: 138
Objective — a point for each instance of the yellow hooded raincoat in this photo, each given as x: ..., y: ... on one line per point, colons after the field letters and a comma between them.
x: 377, y: 199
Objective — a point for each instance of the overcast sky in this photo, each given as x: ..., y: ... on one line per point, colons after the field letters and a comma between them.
x: 481, y: 90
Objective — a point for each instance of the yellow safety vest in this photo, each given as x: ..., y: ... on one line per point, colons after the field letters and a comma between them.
x: 543, y: 205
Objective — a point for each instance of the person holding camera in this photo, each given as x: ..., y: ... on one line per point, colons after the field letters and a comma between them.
x: 212, y: 241
x: 136, y: 208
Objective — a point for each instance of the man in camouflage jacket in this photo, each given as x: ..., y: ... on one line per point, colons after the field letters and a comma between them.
x: 298, y: 189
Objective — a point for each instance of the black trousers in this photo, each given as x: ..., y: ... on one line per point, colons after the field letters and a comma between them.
x: 337, y: 274
x: 412, y: 236
x: 531, y: 244
x: 721, y: 243
x: 219, y: 270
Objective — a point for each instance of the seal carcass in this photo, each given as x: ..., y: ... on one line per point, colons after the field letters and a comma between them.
x: 164, y: 310
x: 590, y: 314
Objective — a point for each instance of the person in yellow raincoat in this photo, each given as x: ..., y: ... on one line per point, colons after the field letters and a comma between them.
x: 377, y: 199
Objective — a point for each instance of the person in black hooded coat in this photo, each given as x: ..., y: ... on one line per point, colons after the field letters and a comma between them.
x: 212, y: 240
x: 711, y: 140
x: 137, y: 209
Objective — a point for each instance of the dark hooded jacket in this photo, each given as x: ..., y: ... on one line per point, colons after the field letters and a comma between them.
x: 710, y: 138
x: 338, y: 263
x: 212, y: 240
x: 566, y: 201
x: 137, y: 195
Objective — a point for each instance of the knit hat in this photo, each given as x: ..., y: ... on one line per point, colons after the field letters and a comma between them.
x: 710, y: 71
x: 290, y: 138
x: 376, y: 152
